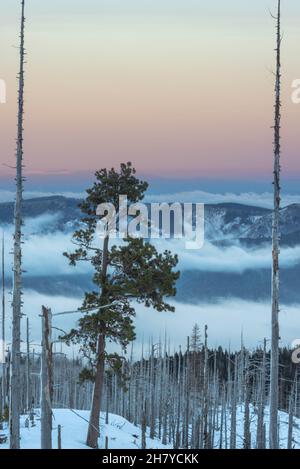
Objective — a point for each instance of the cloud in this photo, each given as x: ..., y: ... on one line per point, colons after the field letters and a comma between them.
x: 234, y: 258
x: 265, y: 200
x: 33, y: 303
x: 43, y: 252
x: 256, y: 199
x: 225, y: 319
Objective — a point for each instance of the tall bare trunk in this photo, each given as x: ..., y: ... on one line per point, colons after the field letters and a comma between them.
x: 260, y: 442
x: 247, y: 391
x: 28, y: 387
x: 273, y: 436
x: 206, y: 435
x: 144, y: 427
x: 46, y: 381
x: 291, y: 419
x: 17, y: 271
x: 3, y: 330
x: 234, y: 400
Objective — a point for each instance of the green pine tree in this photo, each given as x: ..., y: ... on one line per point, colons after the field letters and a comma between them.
x: 132, y: 271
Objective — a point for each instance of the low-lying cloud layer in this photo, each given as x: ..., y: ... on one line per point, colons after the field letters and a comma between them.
x: 256, y: 199
x: 225, y: 319
x: 265, y: 200
x: 42, y: 253
x: 234, y: 258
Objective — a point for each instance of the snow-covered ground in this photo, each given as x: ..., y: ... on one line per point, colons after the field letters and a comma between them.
x: 124, y: 435
x: 121, y: 434
x: 283, y: 418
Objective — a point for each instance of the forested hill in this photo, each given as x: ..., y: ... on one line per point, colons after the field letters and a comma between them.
x: 32, y: 208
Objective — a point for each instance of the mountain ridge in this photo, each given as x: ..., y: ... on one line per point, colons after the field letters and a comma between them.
x: 223, y: 221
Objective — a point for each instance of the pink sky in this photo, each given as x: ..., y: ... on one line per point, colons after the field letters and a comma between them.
x: 179, y: 96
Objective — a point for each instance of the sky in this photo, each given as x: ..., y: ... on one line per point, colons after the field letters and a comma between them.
x: 182, y: 88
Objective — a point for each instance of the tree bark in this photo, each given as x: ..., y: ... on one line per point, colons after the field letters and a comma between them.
x: 206, y: 435
x: 3, y: 382
x: 291, y: 420
x: 46, y: 381
x: 234, y: 407
x: 274, y: 400
x: 15, y: 404
x: 247, y: 434
x: 94, y: 424
x: 28, y: 384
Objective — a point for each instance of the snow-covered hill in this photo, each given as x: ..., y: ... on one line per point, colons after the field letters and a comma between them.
x: 121, y: 433
x: 124, y: 435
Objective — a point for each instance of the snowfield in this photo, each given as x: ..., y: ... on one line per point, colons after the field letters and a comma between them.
x: 124, y: 435
x: 121, y: 434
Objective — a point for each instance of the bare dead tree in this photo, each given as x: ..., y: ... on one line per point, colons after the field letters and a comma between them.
x: 59, y: 437
x: 291, y: 418
x: 144, y: 428
x: 274, y: 396
x: 28, y: 386
x: 3, y: 382
x: 206, y: 435
x: 234, y: 400
x: 17, y: 269
x: 247, y: 434
x: 260, y: 441
x: 46, y: 381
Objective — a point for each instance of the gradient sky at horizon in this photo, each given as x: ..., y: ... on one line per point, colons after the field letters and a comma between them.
x: 183, y: 88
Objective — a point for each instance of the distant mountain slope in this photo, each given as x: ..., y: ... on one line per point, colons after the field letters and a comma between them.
x: 231, y: 220
x: 225, y: 225
x: 227, y: 221
x: 36, y: 207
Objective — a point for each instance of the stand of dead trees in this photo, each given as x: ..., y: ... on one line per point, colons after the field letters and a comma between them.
x: 197, y: 398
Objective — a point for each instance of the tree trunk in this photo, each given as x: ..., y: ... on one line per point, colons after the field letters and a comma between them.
x: 291, y: 419
x: 234, y: 407
x: 59, y: 437
x: 15, y: 385
x: 260, y: 442
x: 247, y: 434
x: 273, y: 436
x: 94, y: 427
x: 28, y: 387
x: 46, y: 381
x: 94, y: 423
x: 144, y: 427
x: 3, y: 381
